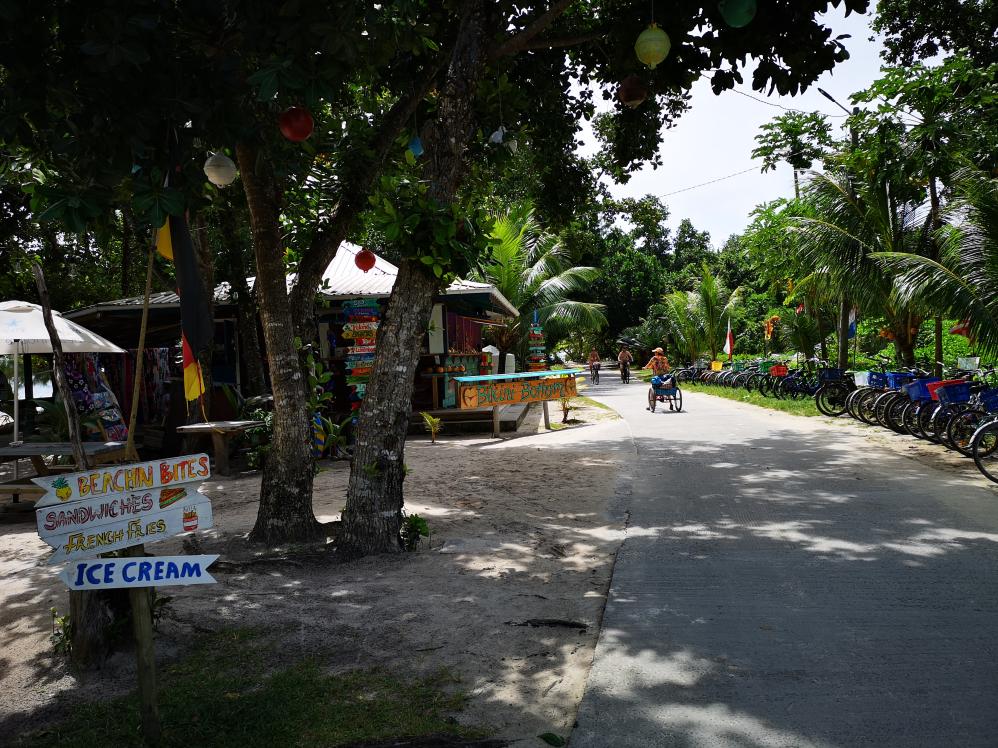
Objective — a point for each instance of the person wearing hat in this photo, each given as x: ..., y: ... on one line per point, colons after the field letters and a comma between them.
x: 659, y: 366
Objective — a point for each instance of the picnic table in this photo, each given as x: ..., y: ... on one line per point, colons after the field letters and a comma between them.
x: 97, y: 453
x: 221, y: 432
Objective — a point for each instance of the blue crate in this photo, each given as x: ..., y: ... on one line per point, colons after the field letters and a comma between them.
x: 895, y: 379
x: 918, y: 390
x: 989, y: 399
x: 831, y: 375
x: 877, y: 380
x: 954, y: 393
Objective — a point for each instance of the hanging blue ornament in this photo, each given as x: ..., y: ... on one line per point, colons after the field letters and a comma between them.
x: 737, y: 13
x: 416, y: 146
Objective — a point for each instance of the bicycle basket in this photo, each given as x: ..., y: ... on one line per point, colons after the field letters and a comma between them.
x: 933, y: 387
x: 919, y: 390
x: 877, y: 379
x: 831, y: 375
x: 969, y: 363
x: 778, y: 371
x: 895, y: 379
x: 989, y: 399
x: 954, y: 393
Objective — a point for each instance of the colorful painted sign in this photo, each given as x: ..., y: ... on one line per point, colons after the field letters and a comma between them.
x: 119, y: 479
x: 510, y: 392
x: 156, y: 571
x: 150, y: 528
x: 86, y: 514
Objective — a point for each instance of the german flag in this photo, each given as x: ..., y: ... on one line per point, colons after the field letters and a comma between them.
x: 173, y: 241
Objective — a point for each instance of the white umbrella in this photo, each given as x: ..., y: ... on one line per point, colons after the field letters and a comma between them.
x: 22, y: 330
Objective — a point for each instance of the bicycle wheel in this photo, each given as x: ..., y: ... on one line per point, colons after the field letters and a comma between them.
x: 652, y: 400
x: 984, y: 446
x: 678, y: 400
x: 962, y: 428
x: 909, y: 419
x: 940, y: 422
x: 881, y: 405
x: 595, y: 376
x: 852, y: 401
x: 864, y: 406
x: 895, y: 414
x: 831, y: 398
x: 926, y: 416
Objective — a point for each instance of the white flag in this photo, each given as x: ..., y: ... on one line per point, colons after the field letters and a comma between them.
x: 729, y: 341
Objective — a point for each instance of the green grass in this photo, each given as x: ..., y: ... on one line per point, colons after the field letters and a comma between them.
x: 594, y: 403
x: 802, y: 407
x: 222, y: 695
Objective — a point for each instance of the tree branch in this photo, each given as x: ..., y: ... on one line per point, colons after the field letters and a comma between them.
x: 561, y: 41
x: 364, y: 168
x: 518, y: 42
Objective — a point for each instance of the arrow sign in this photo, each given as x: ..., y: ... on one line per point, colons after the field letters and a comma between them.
x: 155, y: 571
x: 112, y: 480
x: 114, y: 536
x: 86, y: 514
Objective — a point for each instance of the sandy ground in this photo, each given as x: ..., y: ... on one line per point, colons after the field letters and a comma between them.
x: 521, y: 529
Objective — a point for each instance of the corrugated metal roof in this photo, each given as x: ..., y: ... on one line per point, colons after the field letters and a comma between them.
x: 342, y: 280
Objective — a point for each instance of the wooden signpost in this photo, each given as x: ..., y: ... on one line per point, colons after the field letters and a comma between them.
x: 120, y: 508
x: 493, y: 391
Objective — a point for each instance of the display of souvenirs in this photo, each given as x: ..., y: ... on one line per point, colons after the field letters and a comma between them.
x: 536, y: 358
x: 360, y: 329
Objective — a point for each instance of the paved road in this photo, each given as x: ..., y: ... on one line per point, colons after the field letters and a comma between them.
x: 788, y: 582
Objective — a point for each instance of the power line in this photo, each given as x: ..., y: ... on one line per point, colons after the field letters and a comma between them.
x: 712, y: 181
x: 780, y: 106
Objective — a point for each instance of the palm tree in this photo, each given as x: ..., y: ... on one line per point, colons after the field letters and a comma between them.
x: 964, y: 281
x: 698, y: 319
x: 682, y: 317
x: 537, y: 274
x: 843, y: 225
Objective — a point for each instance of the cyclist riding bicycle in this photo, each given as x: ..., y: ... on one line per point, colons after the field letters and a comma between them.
x: 625, y: 359
x: 594, y: 365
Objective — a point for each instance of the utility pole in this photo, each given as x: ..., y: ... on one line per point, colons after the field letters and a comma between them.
x: 844, y: 305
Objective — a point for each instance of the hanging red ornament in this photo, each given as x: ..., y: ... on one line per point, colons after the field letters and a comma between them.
x: 296, y: 124
x: 365, y: 259
x: 632, y: 91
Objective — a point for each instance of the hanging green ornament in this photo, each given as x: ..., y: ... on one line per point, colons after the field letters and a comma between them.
x: 737, y: 13
x: 652, y: 46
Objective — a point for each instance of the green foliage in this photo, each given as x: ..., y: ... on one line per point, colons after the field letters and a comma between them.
x: 226, y: 694
x: 413, y: 529
x: 432, y: 424
x: 552, y: 739
x: 921, y: 29
x: 629, y: 282
x: 536, y: 273
x: 797, y: 138
x: 446, y: 239
x: 62, y: 634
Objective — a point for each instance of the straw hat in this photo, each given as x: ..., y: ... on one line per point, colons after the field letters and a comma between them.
x: 658, y: 350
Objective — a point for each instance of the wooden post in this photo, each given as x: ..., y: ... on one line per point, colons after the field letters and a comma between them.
x: 495, y: 421
x: 145, y: 656
x: 59, y: 373
x: 547, y: 416
x: 130, y: 451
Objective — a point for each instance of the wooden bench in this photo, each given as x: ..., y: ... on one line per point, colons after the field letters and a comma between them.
x: 221, y: 432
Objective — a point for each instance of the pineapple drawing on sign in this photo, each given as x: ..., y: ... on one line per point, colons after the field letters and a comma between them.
x: 190, y: 519
x: 62, y: 489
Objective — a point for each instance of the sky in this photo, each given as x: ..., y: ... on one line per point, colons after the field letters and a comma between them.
x: 716, y: 136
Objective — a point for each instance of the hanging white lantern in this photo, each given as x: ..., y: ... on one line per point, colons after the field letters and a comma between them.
x: 498, y: 135
x: 220, y: 170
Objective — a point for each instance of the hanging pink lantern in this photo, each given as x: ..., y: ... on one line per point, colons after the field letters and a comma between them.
x: 296, y: 124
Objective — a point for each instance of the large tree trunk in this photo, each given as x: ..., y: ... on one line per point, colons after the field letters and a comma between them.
x: 372, y: 516
x: 285, y: 513
x: 206, y: 276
